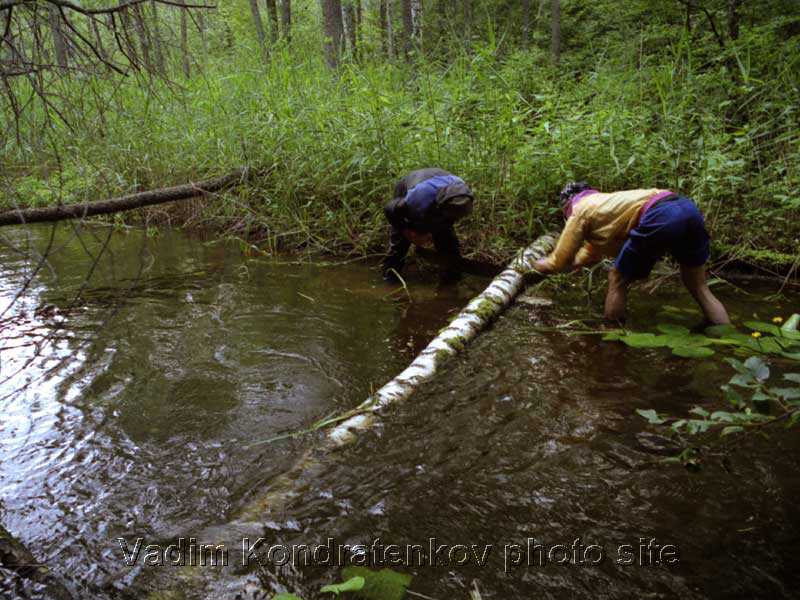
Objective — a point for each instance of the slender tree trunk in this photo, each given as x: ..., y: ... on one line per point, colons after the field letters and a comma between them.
x: 359, y: 21
x: 390, y: 28
x: 185, y: 43
x: 332, y: 27
x: 691, y: 7
x: 555, y: 31
x: 59, y: 41
x: 526, y: 22
x: 157, y: 41
x: 259, y: 24
x: 416, y: 24
x: 349, y: 23
x: 272, y: 11
x: 286, y: 20
x: 408, y: 27
x: 141, y: 32
x: 733, y: 19
x: 384, y: 26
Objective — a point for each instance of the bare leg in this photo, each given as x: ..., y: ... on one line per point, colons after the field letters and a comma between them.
x: 694, y: 278
x: 617, y: 296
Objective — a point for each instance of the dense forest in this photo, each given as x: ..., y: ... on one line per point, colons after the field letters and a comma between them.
x: 326, y: 103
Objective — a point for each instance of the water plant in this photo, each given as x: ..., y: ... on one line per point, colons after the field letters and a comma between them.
x: 753, y: 400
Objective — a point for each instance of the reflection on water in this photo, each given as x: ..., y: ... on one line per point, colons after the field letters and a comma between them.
x: 531, y: 441
x: 130, y: 402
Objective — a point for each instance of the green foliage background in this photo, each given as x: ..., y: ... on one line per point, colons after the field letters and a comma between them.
x: 637, y: 100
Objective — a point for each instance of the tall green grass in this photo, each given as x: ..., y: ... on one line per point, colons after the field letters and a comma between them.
x: 328, y: 146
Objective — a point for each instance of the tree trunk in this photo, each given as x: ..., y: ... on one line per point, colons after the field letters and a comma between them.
x: 157, y: 41
x: 141, y: 32
x: 733, y: 19
x: 467, y: 10
x: 383, y: 17
x: 259, y: 24
x: 59, y: 41
x: 359, y: 21
x: 691, y: 6
x: 416, y: 24
x: 349, y: 24
x: 408, y: 27
x: 390, y: 28
x: 526, y: 22
x: 187, y: 71
x: 555, y: 31
x: 332, y: 27
x: 114, y: 205
x: 272, y: 11
x: 286, y: 20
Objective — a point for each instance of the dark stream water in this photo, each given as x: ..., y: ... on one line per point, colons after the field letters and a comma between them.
x: 136, y: 409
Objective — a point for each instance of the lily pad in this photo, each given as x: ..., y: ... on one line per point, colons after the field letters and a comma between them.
x: 721, y: 330
x: 671, y: 329
x: 693, y: 351
x: 644, y: 340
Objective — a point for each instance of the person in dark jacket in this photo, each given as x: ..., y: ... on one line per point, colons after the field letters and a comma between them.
x: 426, y: 205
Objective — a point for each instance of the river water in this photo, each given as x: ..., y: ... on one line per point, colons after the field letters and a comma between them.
x: 139, y: 384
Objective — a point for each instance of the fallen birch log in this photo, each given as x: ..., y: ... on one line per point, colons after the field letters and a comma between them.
x: 123, y: 203
x: 471, y: 321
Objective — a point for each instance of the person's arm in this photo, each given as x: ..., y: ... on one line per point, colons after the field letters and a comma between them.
x: 586, y: 257
x: 567, y: 248
x: 396, y: 255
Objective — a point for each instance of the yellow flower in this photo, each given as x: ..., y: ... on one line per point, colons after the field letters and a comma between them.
x: 777, y: 320
x: 756, y: 334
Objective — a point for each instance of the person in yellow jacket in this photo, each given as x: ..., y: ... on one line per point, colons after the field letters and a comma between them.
x: 638, y: 227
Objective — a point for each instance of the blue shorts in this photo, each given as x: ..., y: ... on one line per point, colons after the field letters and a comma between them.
x: 672, y: 226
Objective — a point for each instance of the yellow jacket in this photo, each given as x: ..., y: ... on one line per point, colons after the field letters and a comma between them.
x: 598, y: 227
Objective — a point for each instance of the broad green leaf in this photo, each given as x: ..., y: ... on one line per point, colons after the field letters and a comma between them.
x: 737, y: 364
x: 675, y: 330
x: 694, y: 426
x: 720, y: 416
x: 742, y: 380
x: 380, y: 585
x: 286, y: 596
x: 792, y: 377
x: 699, y: 411
x: 791, y: 355
x: 651, y: 416
x: 760, y: 397
x: 612, y: 336
x: 731, y: 429
x: 693, y: 352
x: 757, y: 367
x: 643, y: 340
x: 353, y: 584
x: 786, y: 393
x: 794, y: 419
x: 763, y: 327
x: 720, y: 330
x: 676, y: 426
x: 792, y: 323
